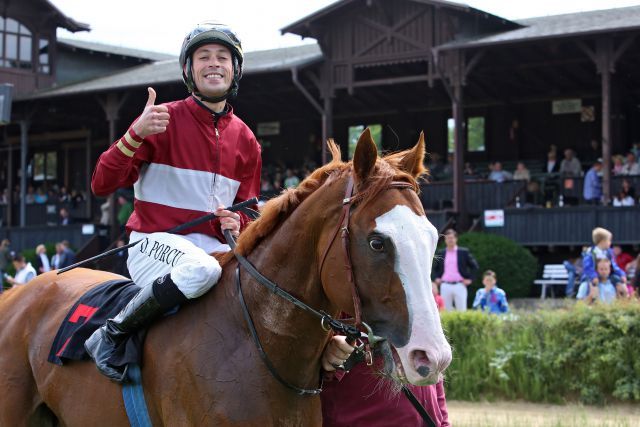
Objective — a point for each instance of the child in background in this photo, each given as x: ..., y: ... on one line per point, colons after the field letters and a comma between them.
x: 601, y: 249
x: 437, y: 297
x: 601, y: 289
x: 491, y: 298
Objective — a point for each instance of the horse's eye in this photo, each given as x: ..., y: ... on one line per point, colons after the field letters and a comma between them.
x: 376, y: 245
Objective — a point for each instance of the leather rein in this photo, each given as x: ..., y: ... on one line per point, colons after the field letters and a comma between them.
x: 327, y: 322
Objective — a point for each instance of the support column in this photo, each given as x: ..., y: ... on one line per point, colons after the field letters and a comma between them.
x: 327, y: 125
x: 459, y: 139
x: 88, y: 172
x: 24, y: 141
x: 10, y: 220
x: 605, y: 57
x: 111, y: 106
x: 604, y: 50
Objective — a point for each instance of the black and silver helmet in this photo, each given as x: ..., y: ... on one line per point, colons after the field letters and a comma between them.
x: 206, y: 33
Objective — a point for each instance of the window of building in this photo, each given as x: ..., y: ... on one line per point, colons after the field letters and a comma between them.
x: 45, y: 166
x: 43, y: 56
x: 354, y: 134
x: 475, y: 134
x: 17, y: 45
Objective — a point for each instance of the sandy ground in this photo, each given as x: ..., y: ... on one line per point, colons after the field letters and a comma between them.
x: 509, y: 414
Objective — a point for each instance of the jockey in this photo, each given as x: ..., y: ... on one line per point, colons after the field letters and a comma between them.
x: 185, y: 159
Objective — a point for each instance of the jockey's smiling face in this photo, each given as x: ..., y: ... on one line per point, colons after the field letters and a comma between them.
x: 212, y: 69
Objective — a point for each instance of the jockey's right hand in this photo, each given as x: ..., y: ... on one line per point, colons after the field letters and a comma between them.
x: 336, y: 352
x: 154, y: 118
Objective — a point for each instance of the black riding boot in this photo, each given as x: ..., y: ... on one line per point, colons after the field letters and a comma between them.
x: 148, y: 304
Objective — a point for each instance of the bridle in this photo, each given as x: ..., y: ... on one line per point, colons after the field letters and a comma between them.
x: 352, y: 332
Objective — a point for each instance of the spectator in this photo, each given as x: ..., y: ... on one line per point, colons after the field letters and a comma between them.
x: 105, y: 214
x: 30, y: 197
x: 437, y: 297
x: 491, y: 298
x: 632, y: 276
x: 618, y: 165
x: 631, y: 167
x: 42, y: 261
x: 602, y: 249
x: 64, y: 197
x: 600, y: 289
x: 636, y: 149
x: 447, y: 169
x: 621, y: 200
x: 521, y: 173
x: 574, y: 270
x: 570, y: 166
x: 291, y: 181
x: 56, y: 259
x: 5, y: 257
x: 622, y: 258
x: 533, y: 195
x: 498, y: 174
x: 24, y: 271
x: 628, y: 188
x: 435, y: 166
x: 592, y: 190
x: 65, y: 218
x: 4, y: 197
x: 40, y: 197
x: 68, y: 255
x: 469, y: 172
x: 124, y: 212
x: 552, y: 165
x: 453, y: 270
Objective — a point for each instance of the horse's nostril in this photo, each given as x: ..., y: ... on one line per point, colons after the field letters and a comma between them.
x: 420, y: 362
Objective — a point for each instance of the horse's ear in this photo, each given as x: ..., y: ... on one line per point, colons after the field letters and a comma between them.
x: 413, y: 161
x: 364, y: 159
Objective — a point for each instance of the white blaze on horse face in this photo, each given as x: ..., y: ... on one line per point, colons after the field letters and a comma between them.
x: 427, y: 353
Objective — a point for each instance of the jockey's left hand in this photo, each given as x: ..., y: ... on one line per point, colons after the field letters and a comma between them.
x: 336, y: 353
x: 228, y: 220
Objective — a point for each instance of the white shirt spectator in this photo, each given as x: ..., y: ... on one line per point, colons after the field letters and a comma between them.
x: 24, y: 275
x: 630, y: 169
x: 623, y: 201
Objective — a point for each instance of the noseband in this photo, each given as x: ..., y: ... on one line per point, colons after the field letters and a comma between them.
x: 352, y: 332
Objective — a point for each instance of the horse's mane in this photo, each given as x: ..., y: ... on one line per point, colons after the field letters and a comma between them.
x: 278, y: 209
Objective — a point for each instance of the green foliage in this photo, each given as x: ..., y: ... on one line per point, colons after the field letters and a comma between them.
x: 586, y: 353
x: 514, y: 265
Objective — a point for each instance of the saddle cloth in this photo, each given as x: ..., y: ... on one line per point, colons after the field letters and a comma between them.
x: 89, y: 313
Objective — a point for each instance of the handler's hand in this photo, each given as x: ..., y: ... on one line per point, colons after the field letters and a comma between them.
x: 336, y: 353
x: 228, y: 220
x: 466, y: 282
x: 154, y: 118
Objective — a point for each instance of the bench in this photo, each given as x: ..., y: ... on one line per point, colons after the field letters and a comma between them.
x: 552, y: 274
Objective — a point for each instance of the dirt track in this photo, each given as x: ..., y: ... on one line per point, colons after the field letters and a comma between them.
x: 508, y: 414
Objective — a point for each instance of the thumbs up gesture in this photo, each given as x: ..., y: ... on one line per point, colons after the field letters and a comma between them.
x: 154, y: 118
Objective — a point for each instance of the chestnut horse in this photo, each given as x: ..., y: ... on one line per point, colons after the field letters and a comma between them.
x: 201, y: 366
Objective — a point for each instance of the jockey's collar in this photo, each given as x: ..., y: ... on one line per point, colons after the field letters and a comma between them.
x: 215, y: 114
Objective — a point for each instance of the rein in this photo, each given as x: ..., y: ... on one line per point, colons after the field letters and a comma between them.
x: 352, y: 332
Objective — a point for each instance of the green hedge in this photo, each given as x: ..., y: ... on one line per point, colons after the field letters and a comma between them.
x: 514, y: 265
x: 586, y: 353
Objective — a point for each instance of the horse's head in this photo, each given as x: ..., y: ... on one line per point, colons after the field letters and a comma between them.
x: 391, y: 247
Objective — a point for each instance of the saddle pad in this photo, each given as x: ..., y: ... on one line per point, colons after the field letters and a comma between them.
x: 89, y: 313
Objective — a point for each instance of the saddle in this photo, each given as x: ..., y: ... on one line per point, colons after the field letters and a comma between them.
x: 89, y: 313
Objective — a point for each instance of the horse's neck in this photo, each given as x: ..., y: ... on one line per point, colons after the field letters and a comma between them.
x: 288, y: 258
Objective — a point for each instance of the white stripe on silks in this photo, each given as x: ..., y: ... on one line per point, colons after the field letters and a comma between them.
x: 184, y: 188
